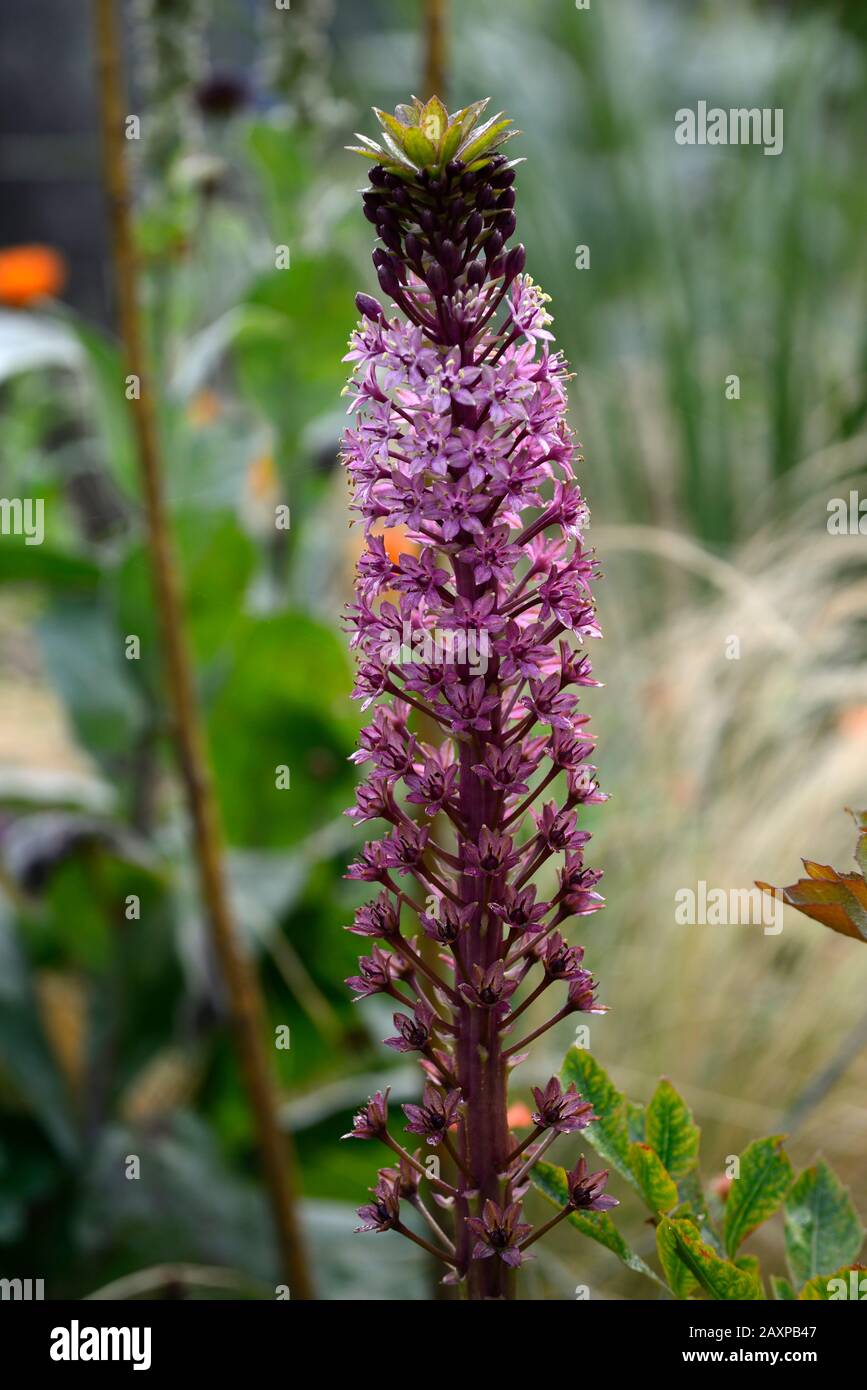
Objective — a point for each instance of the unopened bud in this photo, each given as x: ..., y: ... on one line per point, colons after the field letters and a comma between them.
x: 493, y: 246
x: 475, y: 223
x: 369, y: 307
x: 388, y: 280
x: 515, y: 262
x: 449, y: 255
x: 437, y: 280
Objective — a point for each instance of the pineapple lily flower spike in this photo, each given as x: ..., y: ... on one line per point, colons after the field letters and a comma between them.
x: 470, y: 648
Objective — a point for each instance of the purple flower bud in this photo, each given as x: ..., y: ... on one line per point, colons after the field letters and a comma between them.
x: 515, y: 262
x: 582, y: 995
x: 413, y: 1034
x: 491, y: 988
x: 390, y: 236
x: 561, y: 961
x: 499, y: 1232
x: 561, y: 1110
x: 406, y: 1176
x: 434, y: 1117
x: 493, y: 246
x: 437, y: 280
x: 383, y: 1213
x: 473, y: 227
x: 369, y: 307
x: 450, y: 256
x: 586, y: 1190
x: 372, y: 1119
x: 388, y: 281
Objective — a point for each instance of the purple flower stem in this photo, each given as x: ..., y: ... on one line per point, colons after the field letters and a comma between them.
x: 455, y: 1156
x: 530, y: 1139
x: 533, y: 1159
x: 543, y: 1230
x: 481, y: 1067
x: 531, y: 1037
x: 431, y: 1221
x: 425, y: 1244
x: 403, y: 1153
x: 531, y: 999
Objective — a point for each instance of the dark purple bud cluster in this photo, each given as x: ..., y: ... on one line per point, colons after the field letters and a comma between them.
x: 447, y: 232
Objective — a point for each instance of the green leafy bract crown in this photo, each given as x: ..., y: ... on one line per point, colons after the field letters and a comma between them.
x: 423, y: 135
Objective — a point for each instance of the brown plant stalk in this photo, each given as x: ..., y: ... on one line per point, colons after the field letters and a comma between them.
x: 248, y: 1014
x: 435, y: 47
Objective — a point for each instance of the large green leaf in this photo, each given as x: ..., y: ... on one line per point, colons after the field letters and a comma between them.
x: 597, y: 1225
x: 106, y: 380
x: 28, y: 1070
x: 782, y: 1289
x: 822, y: 1227
x: 750, y: 1265
x: 216, y: 561
x: 283, y: 702
x: 719, y: 1278
x: 671, y: 1130
x: 635, y: 1121
x: 694, y: 1204
x: 84, y: 653
x: 45, y: 564
x: 681, y: 1279
x: 764, y: 1180
x: 609, y: 1134
x: 286, y: 172
x: 186, y: 1200
x: 656, y: 1185
x: 311, y: 309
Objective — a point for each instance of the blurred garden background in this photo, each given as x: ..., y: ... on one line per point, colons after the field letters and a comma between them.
x: 709, y: 516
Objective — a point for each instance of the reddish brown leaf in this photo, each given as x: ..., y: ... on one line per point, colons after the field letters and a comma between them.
x: 837, y: 900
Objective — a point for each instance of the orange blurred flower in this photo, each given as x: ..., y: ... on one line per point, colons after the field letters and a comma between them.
x: 204, y: 408
x: 262, y: 478
x: 519, y: 1116
x: 397, y: 543
x: 29, y: 273
x: 853, y: 722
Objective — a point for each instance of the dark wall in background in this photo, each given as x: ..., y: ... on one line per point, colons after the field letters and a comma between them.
x: 49, y: 155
